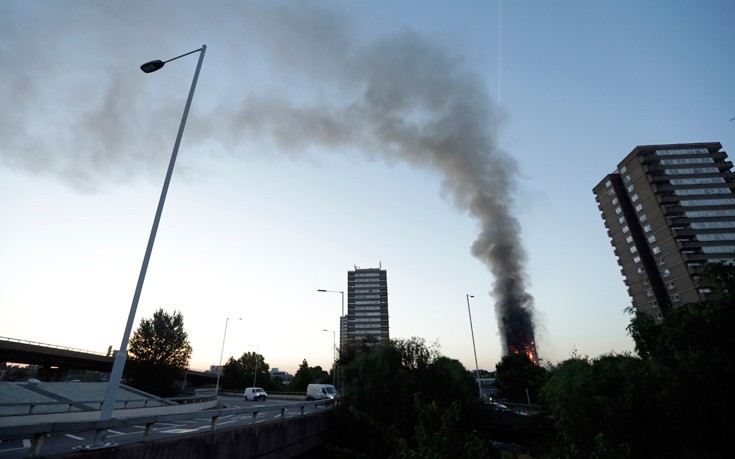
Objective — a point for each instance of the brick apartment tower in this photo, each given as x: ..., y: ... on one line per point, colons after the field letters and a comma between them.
x: 669, y: 209
x: 367, y: 304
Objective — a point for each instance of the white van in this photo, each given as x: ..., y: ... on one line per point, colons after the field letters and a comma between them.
x: 321, y: 392
x: 255, y: 393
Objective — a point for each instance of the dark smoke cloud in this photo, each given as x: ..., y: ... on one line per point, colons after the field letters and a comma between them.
x: 305, y: 84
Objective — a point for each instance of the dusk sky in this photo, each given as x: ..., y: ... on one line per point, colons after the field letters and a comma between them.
x: 328, y: 135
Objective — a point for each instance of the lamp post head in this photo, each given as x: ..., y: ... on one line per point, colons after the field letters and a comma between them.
x: 152, y: 66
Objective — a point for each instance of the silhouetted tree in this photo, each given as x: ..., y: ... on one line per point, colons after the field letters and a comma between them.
x: 402, y: 399
x: 159, y: 351
x: 306, y: 375
x: 518, y: 378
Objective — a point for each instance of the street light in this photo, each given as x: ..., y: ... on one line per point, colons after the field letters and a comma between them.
x: 477, y: 368
x: 334, y: 354
x: 342, y: 322
x: 119, y: 363
x: 336, y: 291
x: 255, y: 372
x: 219, y: 368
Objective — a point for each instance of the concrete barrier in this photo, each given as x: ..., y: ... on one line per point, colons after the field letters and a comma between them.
x: 279, y: 439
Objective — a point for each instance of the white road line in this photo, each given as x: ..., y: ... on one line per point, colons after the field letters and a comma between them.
x: 116, y: 432
x: 73, y: 437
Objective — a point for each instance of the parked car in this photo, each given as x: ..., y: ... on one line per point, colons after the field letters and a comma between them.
x: 321, y: 392
x: 255, y: 393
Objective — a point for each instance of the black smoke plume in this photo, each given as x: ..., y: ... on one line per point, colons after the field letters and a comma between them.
x: 401, y: 97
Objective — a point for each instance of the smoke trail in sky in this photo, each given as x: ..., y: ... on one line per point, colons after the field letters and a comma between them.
x: 321, y: 86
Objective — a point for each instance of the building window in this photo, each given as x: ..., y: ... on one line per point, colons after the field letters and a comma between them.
x: 649, y: 293
x: 615, y: 201
x: 629, y: 239
x: 639, y: 207
x: 641, y: 270
x: 624, y: 169
x: 645, y: 281
x: 675, y: 298
x: 627, y: 178
x: 634, y: 198
x: 712, y: 225
x: 654, y: 304
x: 661, y: 261
x: 719, y: 249
x: 697, y: 181
x: 621, y: 220
x: 608, y: 184
x: 670, y: 286
x: 647, y: 228
x: 643, y: 218
x: 630, y: 188
x: 683, y: 151
x: 651, y: 239
x: 633, y: 249
x: 666, y: 273
x: 716, y: 237
x: 656, y: 250
x: 626, y: 229
x: 637, y: 259
x: 707, y: 202
x: 618, y: 210
x: 710, y: 213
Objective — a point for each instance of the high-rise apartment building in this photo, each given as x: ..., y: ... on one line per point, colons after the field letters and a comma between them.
x: 668, y: 209
x: 367, y: 304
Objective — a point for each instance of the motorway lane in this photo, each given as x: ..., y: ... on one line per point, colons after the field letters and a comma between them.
x: 64, y: 443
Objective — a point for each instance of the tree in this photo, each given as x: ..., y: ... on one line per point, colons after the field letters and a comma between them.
x: 306, y: 375
x: 518, y: 378
x: 159, y: 351
x: 600, y: 408
x: 237, y: 374
x: 691, y: 354
x: 402, y: 399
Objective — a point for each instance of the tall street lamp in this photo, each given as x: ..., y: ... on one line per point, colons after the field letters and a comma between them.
x: 342, y: 321
x: 477, y: 368
x: 336, y: 291
x: 219, y: 368
x: 334, y: 354
x: 119, y: 363
x: 255, y: 371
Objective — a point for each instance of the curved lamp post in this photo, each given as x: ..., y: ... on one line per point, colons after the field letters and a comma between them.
x: 219, y: 368
x: 334, y: 354
x: 342, y: 326
x: 474, y: 349
x: 255, y: 371
x: 119, y: 362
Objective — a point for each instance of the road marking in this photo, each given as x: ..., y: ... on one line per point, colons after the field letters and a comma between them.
x: 178, y: 431
x: 73, y: 437
x: 116, y: 432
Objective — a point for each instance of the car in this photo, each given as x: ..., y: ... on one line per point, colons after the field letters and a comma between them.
x: 255, y: 393
x: 321, y: 392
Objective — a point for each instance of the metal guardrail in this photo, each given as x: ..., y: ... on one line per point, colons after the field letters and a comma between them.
x: 53, y: 346
x: 38, y: 432
x: 97, y: 404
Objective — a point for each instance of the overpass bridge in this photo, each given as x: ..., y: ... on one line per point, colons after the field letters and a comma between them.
x: 297, y: 427
x: 55, y: 362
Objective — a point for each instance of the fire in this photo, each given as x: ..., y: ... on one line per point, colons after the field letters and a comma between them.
x: 529, y: 349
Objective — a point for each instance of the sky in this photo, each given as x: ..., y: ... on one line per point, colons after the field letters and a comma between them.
x: 325, y: 136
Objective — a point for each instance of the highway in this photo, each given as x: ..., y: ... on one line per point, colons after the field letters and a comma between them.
x: 65, y: 443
